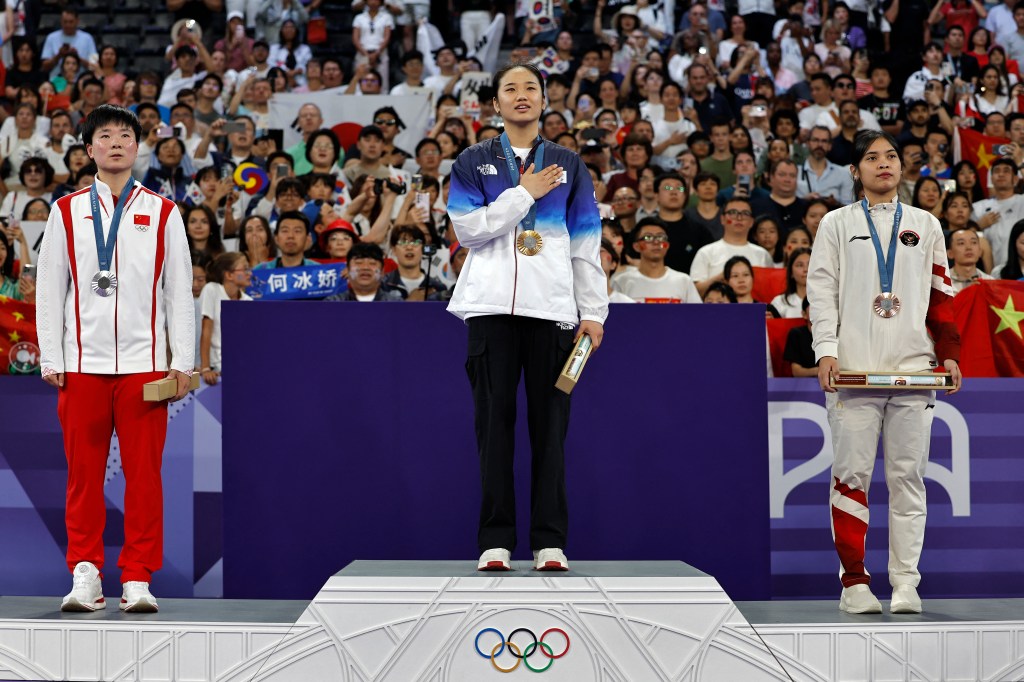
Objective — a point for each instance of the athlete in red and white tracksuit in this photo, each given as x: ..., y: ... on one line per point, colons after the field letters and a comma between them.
x: 842, y: 283
x: 107, y: 348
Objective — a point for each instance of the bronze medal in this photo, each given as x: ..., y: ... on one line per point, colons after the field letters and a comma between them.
x: 529, y: 243
x: 886, y: 304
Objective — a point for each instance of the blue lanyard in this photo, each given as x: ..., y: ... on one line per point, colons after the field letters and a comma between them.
x: 513, y: 170
x: 886, y: 268
x: 105, y: 250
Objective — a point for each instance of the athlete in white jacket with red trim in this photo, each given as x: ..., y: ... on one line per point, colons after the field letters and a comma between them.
x: 108, y: 307
x: 857, y: 327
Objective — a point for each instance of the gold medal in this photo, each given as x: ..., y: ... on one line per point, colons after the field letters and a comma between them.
x: 529, y: 243
x: 887, y: 304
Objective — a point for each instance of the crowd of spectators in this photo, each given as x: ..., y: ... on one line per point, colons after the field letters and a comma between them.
x: 717, y: 135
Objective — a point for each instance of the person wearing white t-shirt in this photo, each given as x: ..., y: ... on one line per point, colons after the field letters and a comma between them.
x: 653, y: 281
x: 229, y: 276
x: 997, y: 214
x: 371, y: 31
x: 737, y: 219
x: 672, y: 129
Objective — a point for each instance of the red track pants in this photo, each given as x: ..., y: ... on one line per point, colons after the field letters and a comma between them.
x: 91, y: 407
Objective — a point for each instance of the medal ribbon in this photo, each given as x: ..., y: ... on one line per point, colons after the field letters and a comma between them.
x: 513, y: 170
x: 105, y: 249
x: 886, y: 268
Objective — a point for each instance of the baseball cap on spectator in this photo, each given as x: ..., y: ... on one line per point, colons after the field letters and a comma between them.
x: 454, y: 249
x: 371, y: 130
x: 236, y: 14
x: 917, y: 103
x: 338, y: 225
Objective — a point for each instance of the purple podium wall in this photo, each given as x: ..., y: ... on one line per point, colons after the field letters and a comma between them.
x: 347, y: 434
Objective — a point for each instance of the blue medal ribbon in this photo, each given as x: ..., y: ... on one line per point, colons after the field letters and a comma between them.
x: 105, y: 249
x: 886, y: 268
x: 513, y: 170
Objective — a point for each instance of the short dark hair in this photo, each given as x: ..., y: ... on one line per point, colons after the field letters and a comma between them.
x: 288, y: 184
x: 405, y: 230
x: 43, y: 164
x: 427, y: 142
x: 365, y: 250
x: 822, y: 76
x: 636, y: 140
x: 650, y: 221
x: 737, y: 200
x: 410, y: 56
x: 706, y: 176
x: 668, y: 176
x: 517, y: 65
x: 722, y: 288
x: 106, y: 114
x: 184, y: 51
x: 1003, y: 161
x: 292, y: 215
x: 331, y: 137
x: 148, y: 106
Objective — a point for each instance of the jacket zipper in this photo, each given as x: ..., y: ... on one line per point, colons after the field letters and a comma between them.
x: 515, y: 277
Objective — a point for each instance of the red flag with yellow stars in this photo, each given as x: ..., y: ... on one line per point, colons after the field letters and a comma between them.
x: 990, y: 317
x: 19, y: 346
x: 981, y: 150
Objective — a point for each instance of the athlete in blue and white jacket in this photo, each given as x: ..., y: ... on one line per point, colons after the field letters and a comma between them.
x: 564, y: 282
x: 531, y: 286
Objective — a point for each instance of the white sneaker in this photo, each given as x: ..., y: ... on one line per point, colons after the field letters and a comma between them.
x: 905, y: 600
x: 496, y: 559
x: 858, y: 599
x: 86, y: 591
x: 550, y: 559
x: 137, y: 598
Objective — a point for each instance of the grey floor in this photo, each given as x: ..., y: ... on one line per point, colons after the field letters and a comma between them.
x: 521, y: 569
x: 171, y: 610
x: 935, y: 611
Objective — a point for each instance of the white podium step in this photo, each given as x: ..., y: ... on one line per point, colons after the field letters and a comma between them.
x: 624, y: 622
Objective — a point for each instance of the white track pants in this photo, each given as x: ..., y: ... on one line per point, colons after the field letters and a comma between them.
x: 904, y: 420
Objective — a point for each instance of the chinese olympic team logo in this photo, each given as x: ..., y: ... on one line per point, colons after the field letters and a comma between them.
x: 522, y: 655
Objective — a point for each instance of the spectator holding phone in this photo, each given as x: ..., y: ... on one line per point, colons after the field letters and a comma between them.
x: 22, y: 288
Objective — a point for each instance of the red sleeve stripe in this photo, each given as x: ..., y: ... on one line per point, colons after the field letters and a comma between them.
x: 940, y: 272
x: 64, y: 204
x: 158, y: 265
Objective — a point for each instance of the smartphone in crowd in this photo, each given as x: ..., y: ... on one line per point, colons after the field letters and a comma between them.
x: 29, y: 271
x: 282, y: 170
x: 231, y: 127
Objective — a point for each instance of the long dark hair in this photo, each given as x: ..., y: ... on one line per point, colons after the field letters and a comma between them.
x: 861, y: 143
x: 1011, y: 269
x: 7, y: 266
x: 917, y: 190
x: 790, y: 280
x: 977, y: 194
x: 214, y: 245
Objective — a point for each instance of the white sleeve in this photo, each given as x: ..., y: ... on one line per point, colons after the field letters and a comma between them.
x: 699, y: 268
x: 691, y: 295
x: 823, y: 289
x: 53, y: 279
x: 475, y: 221
x: 179, y: 306
x: 208, y: 301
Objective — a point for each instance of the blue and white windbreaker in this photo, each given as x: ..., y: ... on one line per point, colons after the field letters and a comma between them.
x: 564, y: 282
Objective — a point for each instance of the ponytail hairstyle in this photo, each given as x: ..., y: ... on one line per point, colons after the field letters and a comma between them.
x: 223, y: 264
x: 861, y: 143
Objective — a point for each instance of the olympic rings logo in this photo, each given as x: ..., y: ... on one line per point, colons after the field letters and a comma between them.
x: 522, y: 655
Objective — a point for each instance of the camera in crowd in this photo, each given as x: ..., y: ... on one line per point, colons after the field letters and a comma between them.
x: 396, y: 187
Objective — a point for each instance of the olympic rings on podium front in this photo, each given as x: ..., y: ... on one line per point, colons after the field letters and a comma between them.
x: 519, y: 659
x: 522, y: 655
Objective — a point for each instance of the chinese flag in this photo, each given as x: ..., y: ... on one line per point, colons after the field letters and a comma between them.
x: 778, y: 330
x: 19, y: 346
x: 768, y: 283
x: 990, y: 317
x: 981, y: 150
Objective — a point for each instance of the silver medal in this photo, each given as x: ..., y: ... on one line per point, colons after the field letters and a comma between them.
x: 104, y: 283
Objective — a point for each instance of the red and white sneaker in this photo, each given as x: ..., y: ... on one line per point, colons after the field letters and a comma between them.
x: 137, y: 598
x: 86, y: 590
x: 550, y: 559
x: 497, y: 559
